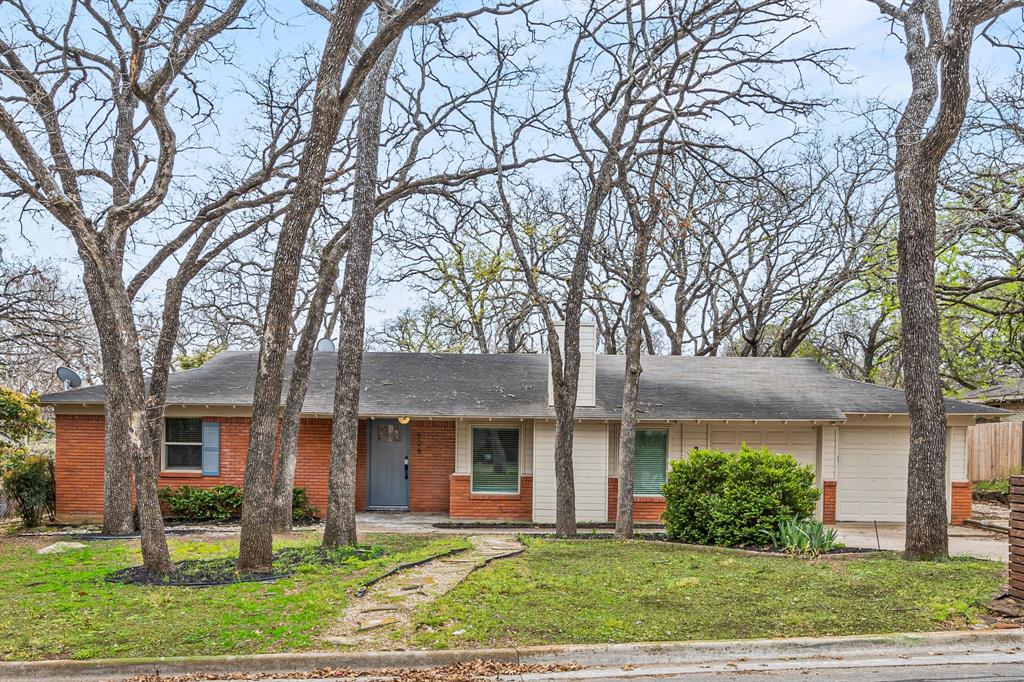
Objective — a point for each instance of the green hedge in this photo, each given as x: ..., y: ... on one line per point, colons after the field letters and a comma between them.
x: 28, y: 482
x: 736, y: 498
x: 222, y: 503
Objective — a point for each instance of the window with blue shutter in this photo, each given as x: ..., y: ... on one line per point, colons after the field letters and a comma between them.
x: 649, y: 462
x: 183, y: 444
x: 495, y: 460
x: 211, y: 448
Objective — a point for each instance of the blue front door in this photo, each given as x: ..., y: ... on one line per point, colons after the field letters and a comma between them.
x: 388, y: 464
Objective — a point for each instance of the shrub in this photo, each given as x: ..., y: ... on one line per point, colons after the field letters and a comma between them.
x: 220, y: 503
x: 28, y: 481
x: 734, y: 498
x: 804, y: 536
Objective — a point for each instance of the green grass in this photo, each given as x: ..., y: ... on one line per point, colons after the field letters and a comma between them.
x: 1002, y: 486
x: 592, y: 591
x: 60, y: 606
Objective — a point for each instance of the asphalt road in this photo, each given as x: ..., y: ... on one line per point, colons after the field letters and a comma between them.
x: 970, y: 672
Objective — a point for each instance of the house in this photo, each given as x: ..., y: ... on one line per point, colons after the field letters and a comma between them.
x: 1008, y: 396
x: 473, y: 435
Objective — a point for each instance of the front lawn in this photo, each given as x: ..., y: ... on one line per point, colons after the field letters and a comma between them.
x: 563, y: 592
x: 60, y: 606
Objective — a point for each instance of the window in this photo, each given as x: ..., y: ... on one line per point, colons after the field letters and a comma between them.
x: 649, y: 462
x: 495, y: 460
x: 183, y: 443
x: 388, y: 433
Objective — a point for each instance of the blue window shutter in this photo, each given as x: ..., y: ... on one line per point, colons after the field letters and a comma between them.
x: 211, y: 448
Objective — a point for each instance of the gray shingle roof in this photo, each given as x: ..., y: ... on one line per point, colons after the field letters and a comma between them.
x: 450, y: 385
x: 1011, y: 390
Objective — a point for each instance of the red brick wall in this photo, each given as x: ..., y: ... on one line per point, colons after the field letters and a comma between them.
x: 1017, y: 537
x: 467, y: 505
x: 961, y: 504
x: 828, y: 502
x: 79, y: 466
x: 79, y: 463
x: 431, y: 464
x: 644, y: 508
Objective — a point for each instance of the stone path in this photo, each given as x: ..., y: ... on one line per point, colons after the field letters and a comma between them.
x: 382, y: 617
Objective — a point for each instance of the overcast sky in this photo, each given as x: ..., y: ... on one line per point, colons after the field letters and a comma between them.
x: 874, y: 68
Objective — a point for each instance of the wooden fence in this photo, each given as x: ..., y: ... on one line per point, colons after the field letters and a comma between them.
x: 995, y: 451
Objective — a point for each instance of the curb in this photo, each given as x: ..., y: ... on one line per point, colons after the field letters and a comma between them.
x: 987, y: 525
x: 587, y: 655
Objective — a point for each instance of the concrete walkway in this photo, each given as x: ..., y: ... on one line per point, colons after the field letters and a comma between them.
x: 382, y: 618
x: 973, y: 542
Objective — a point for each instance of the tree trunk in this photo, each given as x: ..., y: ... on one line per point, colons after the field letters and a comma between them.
x: 340, y: 524
x: 631, y: 382
x: 292, y: 418
x: 256, y: 542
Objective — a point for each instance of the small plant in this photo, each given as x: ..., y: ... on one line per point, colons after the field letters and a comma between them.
x: 28, y: 481
x: 804, y: 536
x: 302, y: 510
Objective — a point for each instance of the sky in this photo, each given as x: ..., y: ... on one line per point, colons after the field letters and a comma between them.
x: 874, y: 68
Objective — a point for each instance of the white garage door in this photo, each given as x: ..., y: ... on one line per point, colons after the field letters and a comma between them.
x: 872, y: 481
x: 801, y: 442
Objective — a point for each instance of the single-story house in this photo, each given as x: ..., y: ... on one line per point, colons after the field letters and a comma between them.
x: 1008, y: 395
x: 473, y: 435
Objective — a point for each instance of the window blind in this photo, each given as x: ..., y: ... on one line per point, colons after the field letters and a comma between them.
x: 649, y: 462
x: 495, y: 460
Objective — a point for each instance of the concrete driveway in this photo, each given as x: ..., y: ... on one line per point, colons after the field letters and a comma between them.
x: 962, y: 540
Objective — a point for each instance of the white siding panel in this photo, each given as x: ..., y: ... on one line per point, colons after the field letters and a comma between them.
x: 590, y: 471
x: 694, y: 436
x: 794, y: 439
x: 957, y: 444
x: 829, y: 439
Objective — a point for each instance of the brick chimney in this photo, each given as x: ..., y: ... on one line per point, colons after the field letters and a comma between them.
x: 586, y: 395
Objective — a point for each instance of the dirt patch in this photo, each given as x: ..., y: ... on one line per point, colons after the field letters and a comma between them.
x: 381, y: 618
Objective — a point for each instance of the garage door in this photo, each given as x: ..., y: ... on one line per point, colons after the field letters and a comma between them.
x: 801, y: 442
x: 872, y: 481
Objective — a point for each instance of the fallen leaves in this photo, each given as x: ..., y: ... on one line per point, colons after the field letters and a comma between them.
x: 467, y: 671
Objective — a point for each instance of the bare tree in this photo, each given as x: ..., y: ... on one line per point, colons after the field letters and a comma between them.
x: 938, y: 46
x: 131, y: 70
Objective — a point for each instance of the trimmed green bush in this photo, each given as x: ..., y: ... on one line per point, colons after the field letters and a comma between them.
x: 302, y: 510
x: 222, y: 503
x: 28, y: 482
x: 187, y: 503
x: 735, y: 498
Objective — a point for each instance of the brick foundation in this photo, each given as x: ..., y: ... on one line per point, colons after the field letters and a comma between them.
x: 828, y: 502
x: 490, y: 507
x: 1017, y: 537
x: 644, y: 508
x: 961, y: 503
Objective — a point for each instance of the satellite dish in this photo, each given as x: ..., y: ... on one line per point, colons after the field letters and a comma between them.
x: 69, y: 377
x: 325, y: 345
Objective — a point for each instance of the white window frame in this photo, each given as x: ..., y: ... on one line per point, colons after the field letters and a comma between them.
x: 163, y: 448
x: 668, y: 442
x: 519, y: 458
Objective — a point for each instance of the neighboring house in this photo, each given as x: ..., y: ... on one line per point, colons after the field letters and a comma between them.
x: 1007, y: 396
x: 473, y: 435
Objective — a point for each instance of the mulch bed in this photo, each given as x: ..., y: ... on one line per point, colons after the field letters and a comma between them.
x: 749, y: 549
x: 222, y: 571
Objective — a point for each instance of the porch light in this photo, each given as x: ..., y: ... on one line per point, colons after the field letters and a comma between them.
x: 403, y: 420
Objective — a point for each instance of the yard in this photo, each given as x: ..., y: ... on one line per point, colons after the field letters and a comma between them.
x: 60, y: 605
x: 562, y: 592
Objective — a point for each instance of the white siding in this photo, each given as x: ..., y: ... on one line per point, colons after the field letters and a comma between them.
x: 590, y: 471
x: 464, y: 443
x: 829, y: 439
x: 694, y: 436
x: 799, y: 440
x: 956, y: 440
